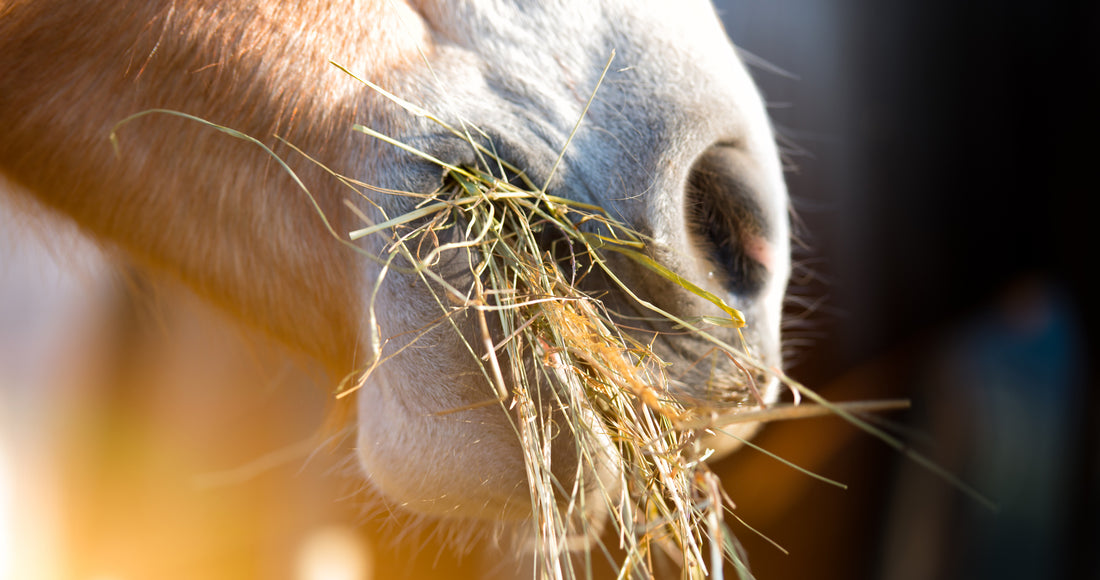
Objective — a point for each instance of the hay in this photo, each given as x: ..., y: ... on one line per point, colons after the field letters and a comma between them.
x: 612, y: 390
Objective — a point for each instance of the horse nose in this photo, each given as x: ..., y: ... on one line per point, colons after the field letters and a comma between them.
x: 731, y: 218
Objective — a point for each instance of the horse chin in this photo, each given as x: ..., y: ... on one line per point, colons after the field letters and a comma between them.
x: 434, y: 439
x: 429, y: 451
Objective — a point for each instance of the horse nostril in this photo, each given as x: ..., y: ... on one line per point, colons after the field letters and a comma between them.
x: 726, y: 219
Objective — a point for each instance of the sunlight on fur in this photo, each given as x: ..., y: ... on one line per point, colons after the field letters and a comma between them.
x: 334, y: 553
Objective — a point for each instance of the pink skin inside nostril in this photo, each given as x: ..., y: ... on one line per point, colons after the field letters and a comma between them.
x: 759, y: 250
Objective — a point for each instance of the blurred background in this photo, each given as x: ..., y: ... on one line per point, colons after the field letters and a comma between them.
x: 937, y: 159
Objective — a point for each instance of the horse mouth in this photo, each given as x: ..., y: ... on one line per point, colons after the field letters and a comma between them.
x: 545, y: 280
x: 586, y: 343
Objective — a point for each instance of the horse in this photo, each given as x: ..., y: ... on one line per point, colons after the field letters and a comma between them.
x: 175, y: 136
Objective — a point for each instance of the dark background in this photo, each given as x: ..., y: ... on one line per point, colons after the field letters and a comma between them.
x: 941, y: 161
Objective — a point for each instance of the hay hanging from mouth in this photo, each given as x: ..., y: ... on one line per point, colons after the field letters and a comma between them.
x: 612, y: 390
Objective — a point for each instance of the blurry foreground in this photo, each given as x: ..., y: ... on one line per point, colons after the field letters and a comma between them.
x: 126, y: 454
